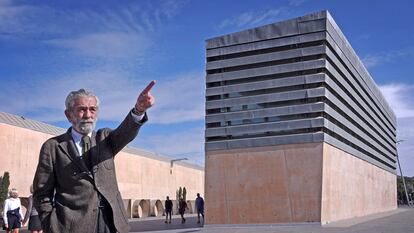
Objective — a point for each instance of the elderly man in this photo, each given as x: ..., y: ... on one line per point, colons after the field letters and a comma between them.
x: 75, y: 187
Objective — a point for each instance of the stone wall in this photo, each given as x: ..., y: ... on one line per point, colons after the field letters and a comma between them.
x: 352, y: 187
x: 139, y: 177
x: 277, y: 184
x: 309, y: 182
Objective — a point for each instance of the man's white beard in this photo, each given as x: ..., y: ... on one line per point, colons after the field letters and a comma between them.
x: 85, y: 127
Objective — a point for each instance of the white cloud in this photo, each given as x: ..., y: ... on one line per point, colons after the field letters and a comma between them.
x: 45, y: 99
x: 372, y: 60
x: 106, y: 45
x: 400, y: 97
x: 122, y: 31
x: 188, y: 144
x: 178, y: 99
x: 13, y: 18
x: 253, y: 18
x: 296, y: 2
x: 405, y: 132
x: 47, y: 22
x: 172, y: 7
x: 4, y: 2
x: 109, y: 40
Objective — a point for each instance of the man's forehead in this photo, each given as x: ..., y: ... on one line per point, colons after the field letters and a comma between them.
x: 85, y: 101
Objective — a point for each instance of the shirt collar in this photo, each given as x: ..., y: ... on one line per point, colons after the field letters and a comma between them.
x: 77, y: 136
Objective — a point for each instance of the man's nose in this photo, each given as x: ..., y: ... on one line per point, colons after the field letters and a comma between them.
x: 87, y: 114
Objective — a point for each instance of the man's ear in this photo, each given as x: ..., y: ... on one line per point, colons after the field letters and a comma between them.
x: 68, y: 115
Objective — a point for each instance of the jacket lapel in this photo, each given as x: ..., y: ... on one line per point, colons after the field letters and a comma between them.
x: 94, y: 153
x: 68, y: 147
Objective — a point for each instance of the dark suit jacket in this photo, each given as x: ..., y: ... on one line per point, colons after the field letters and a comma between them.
x: 168, y: 205
x: 65, y: 190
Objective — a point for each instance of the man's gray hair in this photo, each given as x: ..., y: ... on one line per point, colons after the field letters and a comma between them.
x: 70, y: 99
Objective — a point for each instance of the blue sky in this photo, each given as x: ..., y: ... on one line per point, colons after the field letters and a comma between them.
x: 114, y: 48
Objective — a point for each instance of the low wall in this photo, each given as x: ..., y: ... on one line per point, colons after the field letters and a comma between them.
x: 140, y: 176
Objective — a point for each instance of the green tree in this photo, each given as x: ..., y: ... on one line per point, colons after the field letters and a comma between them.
x: 4, y: 188
x: 185, y: 194
x: 402, y: 199
x: 180, y: 193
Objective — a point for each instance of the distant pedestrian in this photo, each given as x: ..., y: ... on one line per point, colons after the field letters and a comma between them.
x: 12, y: 212
x: 168, y: 209
x: 199, y: 203
x: 35, y: 226
x: 182, y: 205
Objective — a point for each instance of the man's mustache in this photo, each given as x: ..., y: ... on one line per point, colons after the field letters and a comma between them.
x: 86, y: 122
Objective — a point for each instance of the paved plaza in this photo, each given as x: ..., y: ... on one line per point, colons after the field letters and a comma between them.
x: 398, y: 221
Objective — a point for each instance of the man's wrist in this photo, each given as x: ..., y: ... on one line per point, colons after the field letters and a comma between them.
x: 137, y: 112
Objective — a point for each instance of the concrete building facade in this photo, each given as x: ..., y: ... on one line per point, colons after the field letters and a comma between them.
x: 144, y: 178
x: 296, y: 128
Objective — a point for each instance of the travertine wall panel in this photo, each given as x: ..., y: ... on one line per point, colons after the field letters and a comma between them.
x: 19, y: 155
x: 153, y: 179
x: 312, y: 182
x: 264, y: 184
x: 353, y: 187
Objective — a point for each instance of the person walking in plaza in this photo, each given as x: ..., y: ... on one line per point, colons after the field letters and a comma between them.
x: 182, y: 206
x: 168, y: 209
x: 12, y: 212
x: 199, y: 203
x: 35, y: 226
x: 75, y: 186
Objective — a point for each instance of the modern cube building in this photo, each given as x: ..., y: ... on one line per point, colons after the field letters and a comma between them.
x: 296, y: 128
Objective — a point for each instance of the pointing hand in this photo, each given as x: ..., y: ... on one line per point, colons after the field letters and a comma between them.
x: 145, y: 99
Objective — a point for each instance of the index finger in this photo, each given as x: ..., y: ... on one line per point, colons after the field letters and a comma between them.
x: 148, y: 88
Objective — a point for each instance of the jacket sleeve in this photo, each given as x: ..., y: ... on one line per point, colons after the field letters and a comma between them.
x: 44, y: 183
x: 29, y: 209
x: 125, y: 132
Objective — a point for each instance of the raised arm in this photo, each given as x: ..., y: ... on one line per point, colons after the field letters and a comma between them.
x: 129, y: 128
